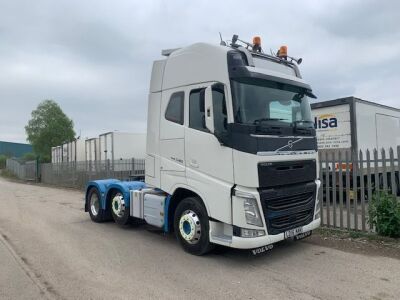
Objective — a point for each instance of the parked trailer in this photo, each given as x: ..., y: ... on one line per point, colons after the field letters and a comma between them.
x: 56, y: 154
x: 121, y: 145
x: 353, y: 125
x: 231, y: 154
x: 92, y: 150
x: 73, y: 151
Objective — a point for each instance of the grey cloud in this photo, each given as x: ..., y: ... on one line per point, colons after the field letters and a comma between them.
x: 362, y: 19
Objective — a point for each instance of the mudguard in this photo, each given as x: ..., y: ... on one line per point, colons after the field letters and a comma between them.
x: 105, y: 187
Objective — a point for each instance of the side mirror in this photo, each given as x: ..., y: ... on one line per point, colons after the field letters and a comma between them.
x: 208, y: 109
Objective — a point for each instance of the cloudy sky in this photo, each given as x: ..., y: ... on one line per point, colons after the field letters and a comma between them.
x: 94, y: 57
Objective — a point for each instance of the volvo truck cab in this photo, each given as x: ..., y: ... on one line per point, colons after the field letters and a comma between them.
x: 231, y: 151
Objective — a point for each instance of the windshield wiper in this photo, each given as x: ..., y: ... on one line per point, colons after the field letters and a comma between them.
x: 258, y: 121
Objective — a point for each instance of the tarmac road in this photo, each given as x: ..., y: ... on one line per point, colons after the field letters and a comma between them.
x: 49, y: 248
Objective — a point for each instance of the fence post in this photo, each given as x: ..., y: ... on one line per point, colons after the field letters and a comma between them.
x: 340, y: 189
x: 321, y: 190
x: 392, y: 173
x: 398, y: 166
x: 327, y: 191
x: 334, y: 187
x: 376, y: 174
x: 369, y: 181
x: 133, y: 167
x: 347, y: 190
x: 355, y: 188
x: 384, y: 170
x: 362, y: 197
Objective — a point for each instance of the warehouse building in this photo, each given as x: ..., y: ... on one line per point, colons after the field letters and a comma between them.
x: 14, y: 149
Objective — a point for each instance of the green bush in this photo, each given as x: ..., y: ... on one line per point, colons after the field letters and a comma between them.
x: 3, y: 160
x: 384, y: 214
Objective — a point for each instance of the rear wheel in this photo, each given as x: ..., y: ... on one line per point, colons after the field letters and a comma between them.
x: 191, y: 226
x: 119, y: 211
x: 97, y: 214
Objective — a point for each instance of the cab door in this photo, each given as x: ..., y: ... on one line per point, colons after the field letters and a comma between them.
x: 172, y: 135
x: 209, y: 165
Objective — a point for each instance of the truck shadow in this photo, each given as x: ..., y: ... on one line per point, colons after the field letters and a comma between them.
x: 281, y: 250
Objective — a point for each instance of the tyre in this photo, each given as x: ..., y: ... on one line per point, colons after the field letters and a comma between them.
x: 97, y: 214
x: 119, y: 211
x: 191, y: 226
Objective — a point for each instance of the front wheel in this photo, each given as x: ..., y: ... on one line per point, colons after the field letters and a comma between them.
x: 191, y: 226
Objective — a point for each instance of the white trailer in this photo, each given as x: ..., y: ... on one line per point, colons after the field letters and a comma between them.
x: 92, y: 150
x: 56, y: 154
x: 77, y: 150
x: 122, y: 145
x: 65, y: 153
x: 355, y: 124
x: 73, y: 151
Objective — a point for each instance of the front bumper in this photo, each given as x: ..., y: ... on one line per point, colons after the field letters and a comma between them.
x: 250, y: 243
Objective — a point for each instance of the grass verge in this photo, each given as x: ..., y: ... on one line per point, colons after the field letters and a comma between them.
x: 355, y: 235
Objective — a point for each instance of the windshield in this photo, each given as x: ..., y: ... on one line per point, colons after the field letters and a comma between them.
x: 258, y: 101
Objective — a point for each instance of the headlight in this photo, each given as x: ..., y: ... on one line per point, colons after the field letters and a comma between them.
x: 251, y: 211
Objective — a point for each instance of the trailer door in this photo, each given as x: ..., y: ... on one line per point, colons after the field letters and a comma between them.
x: 387, y: 131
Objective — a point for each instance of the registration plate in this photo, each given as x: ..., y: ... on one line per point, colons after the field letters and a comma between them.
x: 293, y: 232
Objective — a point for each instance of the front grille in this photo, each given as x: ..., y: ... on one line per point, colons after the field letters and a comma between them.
x: 288, y: 207
x: 273, y: 174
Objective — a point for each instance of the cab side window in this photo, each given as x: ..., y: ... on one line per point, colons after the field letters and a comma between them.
x: 175, y: 108
x: 196, y: 110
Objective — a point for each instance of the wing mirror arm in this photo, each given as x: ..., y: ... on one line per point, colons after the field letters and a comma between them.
x: 208, y: 110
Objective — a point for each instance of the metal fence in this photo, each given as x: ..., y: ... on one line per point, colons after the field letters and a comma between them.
x: 23, y: 170
x: 350, y: 180
x: 77, y: 174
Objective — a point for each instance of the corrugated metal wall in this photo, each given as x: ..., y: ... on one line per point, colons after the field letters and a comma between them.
x: 14, y: 149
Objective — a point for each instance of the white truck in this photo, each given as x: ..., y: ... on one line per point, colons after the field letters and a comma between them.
x: 231, y: 154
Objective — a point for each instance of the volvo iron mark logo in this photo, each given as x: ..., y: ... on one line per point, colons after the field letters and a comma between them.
x: 290, y: 144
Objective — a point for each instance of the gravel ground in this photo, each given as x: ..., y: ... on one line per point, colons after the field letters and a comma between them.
x: 49, y: 248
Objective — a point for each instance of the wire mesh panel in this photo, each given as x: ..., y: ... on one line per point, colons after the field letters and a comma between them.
x: 23, y: 170
x: 78, y: 174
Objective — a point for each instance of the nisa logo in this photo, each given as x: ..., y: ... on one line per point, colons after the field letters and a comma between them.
x: 325, y: 121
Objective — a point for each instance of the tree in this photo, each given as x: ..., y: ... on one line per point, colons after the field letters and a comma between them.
x: 48, y: 127
x: 28, y: 156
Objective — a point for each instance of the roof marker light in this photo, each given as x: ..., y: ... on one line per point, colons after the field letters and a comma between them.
x: 256, y: 44
x: 282, y: 53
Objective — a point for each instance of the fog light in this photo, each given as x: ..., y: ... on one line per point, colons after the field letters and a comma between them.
x: 251, y: 233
